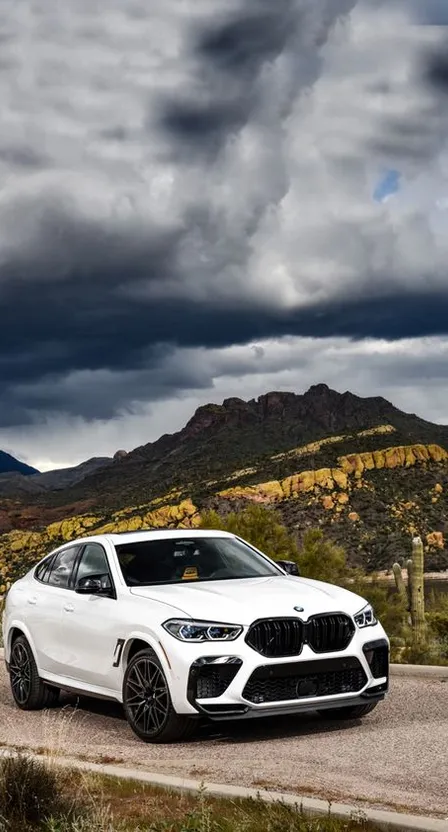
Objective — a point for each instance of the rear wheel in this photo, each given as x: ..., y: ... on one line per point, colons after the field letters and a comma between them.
x: 29, y: 691
x: 349, y: 712
x: 147, y: 702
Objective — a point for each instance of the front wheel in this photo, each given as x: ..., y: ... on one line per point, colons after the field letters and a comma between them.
x: 147, y: 702
x: 349, y: 712
x: 29, y: 691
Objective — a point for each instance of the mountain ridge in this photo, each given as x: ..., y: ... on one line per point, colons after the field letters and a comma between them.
x: 9, y: 464
x: 365, y: 472
x: 237, y: 433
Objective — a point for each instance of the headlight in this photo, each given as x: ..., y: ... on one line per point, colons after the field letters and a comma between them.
x: 187, y: 630
x: 366, y: 617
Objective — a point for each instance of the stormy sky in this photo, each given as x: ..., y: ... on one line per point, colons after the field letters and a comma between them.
x: 194, y: 205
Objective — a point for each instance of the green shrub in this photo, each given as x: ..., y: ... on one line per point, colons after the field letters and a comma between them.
x: 438, y: 622
x: 260, y: 526
x: 321, y: 559
x: 30, y: 792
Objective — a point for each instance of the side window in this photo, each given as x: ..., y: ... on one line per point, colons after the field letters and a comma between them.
x: 62, y: 566
x: 42, y: 571
x: 94, y: 562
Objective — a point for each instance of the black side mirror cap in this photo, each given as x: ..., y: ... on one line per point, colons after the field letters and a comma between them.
x: 289, y: 566
x: 92, y: 585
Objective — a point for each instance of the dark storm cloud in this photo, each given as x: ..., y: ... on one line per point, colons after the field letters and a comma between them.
x: 236, y: 48
x: 242, y: 44
x: 202, y: 127
x: 436, y: 73
x: 89, y: 330
x: 231, y: 54
x: 93, y: 302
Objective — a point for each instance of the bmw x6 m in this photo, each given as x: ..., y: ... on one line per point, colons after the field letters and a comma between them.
x: 183, y: 624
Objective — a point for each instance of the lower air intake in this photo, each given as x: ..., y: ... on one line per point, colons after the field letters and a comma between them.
x: 292, y: 681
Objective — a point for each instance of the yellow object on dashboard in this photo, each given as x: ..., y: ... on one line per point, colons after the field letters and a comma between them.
x: 190, y: 573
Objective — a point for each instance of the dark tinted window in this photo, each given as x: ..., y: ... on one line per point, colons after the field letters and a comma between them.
x: 62, y: 566
x: 93, y: 562
x: 178, y: 560
x: 43, y: 570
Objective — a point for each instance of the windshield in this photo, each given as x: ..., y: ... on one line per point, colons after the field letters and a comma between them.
x: 184, y: 559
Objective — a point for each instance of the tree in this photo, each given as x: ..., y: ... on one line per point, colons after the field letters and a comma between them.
x: 321, y: 559
x: 258, y: 525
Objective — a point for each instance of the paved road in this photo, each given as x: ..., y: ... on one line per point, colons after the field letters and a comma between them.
x: 396, y: 757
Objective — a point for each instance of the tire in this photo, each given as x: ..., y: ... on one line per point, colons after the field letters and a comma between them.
x: 29, y: 692
x: 147, y: 702
x: 349, y: 712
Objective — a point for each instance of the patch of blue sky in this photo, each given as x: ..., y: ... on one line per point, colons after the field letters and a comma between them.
x: 388, y: 185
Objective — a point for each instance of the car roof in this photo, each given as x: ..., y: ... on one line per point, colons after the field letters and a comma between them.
x: 142, y: 535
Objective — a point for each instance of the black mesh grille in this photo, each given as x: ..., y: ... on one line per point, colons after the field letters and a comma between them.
x: 326, y: 633
x: 212, y: 680
x: 304, y: 680
x: 378, y: 658
x: 277, y: 637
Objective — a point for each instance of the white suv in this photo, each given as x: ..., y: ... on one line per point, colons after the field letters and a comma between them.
x: 180, y: 624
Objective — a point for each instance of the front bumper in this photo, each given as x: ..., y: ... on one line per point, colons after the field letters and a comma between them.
x: 230, y: 680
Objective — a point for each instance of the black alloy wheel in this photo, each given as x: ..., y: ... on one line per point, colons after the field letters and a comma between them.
x: 30, y: 693
x: 147, y: 702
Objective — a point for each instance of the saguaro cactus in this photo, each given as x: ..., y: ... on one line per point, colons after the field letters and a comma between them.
x: 399, y: 582
x: 414, y: 593
x: 418, y: 592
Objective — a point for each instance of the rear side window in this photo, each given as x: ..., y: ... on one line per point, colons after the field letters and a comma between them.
x: 43, y: 570
x: 62, y: 567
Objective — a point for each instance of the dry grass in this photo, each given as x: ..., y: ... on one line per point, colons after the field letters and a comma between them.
x: 35, y: 795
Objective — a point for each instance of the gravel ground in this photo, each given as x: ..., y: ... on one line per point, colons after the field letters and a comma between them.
x: 396, y: 757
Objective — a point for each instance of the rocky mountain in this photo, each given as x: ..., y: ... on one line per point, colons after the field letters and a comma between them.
x: 364, y: 471
x: 221, y: 439
x: 8, y: 464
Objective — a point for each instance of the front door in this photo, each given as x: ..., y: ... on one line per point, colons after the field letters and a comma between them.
x: 90, y: 630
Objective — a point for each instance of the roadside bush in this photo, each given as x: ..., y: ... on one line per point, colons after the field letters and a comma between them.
x: 30, y: 793
x: 260, y: 526
x: 321, y: 559
x: 35, y: 797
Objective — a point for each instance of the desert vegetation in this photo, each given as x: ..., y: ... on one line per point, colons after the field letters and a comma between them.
x: 317, y: 555
x: 417, y: 635
x: 37, y: 796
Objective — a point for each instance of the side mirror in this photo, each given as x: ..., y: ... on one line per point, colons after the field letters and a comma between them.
x: 92, y: 585
x: 289, y: 566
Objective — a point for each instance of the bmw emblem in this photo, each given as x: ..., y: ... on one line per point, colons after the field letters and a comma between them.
x: 299, y: 609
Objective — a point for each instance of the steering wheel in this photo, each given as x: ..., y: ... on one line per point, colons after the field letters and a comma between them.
x: 222, y: 572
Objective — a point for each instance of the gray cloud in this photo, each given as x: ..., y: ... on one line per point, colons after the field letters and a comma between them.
x: 198, y: 180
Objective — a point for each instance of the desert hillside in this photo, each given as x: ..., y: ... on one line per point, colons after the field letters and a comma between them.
x: 367, y: 473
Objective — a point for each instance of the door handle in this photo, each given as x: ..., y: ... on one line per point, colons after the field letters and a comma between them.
x: 32, y: 599
x: 69, y: 608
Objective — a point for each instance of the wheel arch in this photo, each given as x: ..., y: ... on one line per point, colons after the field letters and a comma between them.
x: 144, y: 641
x: 15, y: 629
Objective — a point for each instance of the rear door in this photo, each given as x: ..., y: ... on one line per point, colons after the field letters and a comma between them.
x: 45, y: 598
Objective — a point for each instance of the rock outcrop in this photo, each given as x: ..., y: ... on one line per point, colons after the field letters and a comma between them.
x: 350, y: 468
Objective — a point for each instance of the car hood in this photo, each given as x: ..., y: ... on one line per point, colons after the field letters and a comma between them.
x: 242, y: 601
